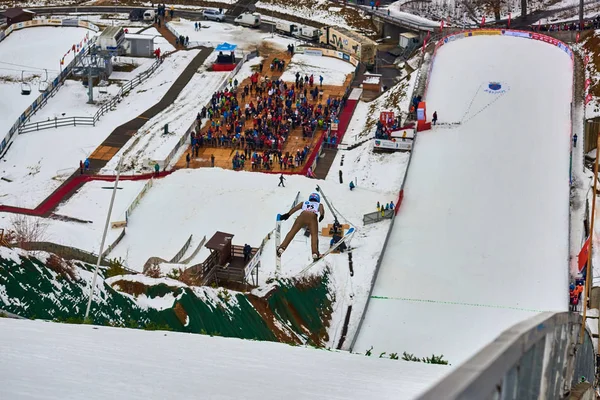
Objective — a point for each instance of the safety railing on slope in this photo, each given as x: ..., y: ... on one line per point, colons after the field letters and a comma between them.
x: 539, y: 358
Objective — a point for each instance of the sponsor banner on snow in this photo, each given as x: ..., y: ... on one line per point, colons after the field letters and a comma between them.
x: 317, y: 53
x: 70, y: 22
x: 526, y: 35
x: 393, y: 144
x: 482, y: 32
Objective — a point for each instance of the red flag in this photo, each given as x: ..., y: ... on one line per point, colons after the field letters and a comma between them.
x: 424, y: 44
x: 586, y: 60
x: 509, y: 16
x: 588, y: 98
x: 539, y: 25
x: 577, y: 38
x: 582, y: 258
x: 482, y: 21
x: 587, y: 83
x: 442, y: 25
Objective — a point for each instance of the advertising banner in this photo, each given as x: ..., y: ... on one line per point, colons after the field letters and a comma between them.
x: 387, y: 117
x: 516, y: 34
x: 317, y: 53
x: 393, y: 144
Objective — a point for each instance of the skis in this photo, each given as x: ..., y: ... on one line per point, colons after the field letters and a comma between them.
x: 277, y: 243
x: 344, y: 239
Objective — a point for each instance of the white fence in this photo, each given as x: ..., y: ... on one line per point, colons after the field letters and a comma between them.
x: 138, y: 198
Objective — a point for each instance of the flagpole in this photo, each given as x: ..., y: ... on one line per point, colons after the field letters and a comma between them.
x: 588, y: 273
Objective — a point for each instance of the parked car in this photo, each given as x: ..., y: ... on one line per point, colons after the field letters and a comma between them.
x: 251, y: 20
x: 214, y: 15
x: 149, y: 15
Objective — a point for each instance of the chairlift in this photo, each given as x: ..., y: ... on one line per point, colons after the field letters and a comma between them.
x: 43, y: 85
x: 25, y: 87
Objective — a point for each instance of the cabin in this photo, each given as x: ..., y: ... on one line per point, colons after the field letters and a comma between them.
x: 17, y: 14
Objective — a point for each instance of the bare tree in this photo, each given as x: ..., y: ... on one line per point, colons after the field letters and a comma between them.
x: 25, y: 229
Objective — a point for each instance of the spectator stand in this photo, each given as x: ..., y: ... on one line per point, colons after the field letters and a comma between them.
x: 280, y: 143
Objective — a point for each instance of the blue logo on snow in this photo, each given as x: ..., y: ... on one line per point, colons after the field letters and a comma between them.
x: 496, y: 88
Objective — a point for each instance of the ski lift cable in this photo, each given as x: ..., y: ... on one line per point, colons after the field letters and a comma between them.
x: 28, y: 66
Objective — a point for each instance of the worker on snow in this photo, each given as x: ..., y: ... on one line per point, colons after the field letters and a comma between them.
x: 308, y: 217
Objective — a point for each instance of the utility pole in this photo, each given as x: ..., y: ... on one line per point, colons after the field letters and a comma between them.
x: 110, y: 207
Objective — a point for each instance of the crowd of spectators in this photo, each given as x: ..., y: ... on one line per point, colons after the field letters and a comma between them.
x: 257, y: 118
x: 572, y: 26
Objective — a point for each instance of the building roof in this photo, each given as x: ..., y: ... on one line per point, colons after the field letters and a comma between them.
x: 111, y: 31
x: 218, y: 240
x: 15, y: 12
x: 138, y: 36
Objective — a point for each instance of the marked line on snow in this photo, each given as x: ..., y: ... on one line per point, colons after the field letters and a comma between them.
x: 457, y: 303
x: 140, y: 117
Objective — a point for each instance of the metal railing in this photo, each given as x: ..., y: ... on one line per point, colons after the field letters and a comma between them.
x: 181, y: 252
x: 539, y: 358
x: 376, y: 216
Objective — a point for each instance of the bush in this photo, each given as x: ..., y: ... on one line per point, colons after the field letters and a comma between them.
x: 115, y: 267
x: 63, y: 268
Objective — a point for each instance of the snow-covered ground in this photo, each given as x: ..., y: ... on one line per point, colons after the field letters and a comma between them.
x: 30, y: 51
x: 150, y: 144
x: 34, y: 49
x: 37, y: 158
x: 333, y: 70
x: 283, y: 371
x: 481, y: 239
x: 322, y: 11
x: 214, y: 33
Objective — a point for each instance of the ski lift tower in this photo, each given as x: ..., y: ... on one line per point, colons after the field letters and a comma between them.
x: 96, y: 63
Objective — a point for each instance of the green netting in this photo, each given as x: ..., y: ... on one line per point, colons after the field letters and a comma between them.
x: 304, y: 306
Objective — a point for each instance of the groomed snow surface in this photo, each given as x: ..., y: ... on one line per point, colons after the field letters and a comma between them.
x: 102, y: 362
x: 333, y: 70
x: 481, y: 239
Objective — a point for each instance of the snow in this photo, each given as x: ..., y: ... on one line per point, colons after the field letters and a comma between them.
x: 333, y: 70
x: 33, y: 168
x: 214, y: 33
x: 31, y: 50
x: 149, y: 144
x: 183, y: 193
x: 394, y: 11
x: 292, y: 371
x: 481, y: 239
x: 36, y: 49
x: 322, y: 11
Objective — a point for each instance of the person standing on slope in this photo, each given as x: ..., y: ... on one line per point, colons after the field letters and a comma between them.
x: 308, y: 217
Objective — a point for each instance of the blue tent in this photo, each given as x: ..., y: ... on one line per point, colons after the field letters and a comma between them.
x: 226, y: 47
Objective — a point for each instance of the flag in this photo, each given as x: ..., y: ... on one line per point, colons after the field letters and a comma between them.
x: 587, y: 83
x: 482, y: 21
x: 577, y: 38
x: 424, y: 44
x: 586, y: 60
x: 588, y: 98
x: 509, y: 16
x: 539, y: 25
x: 442, y: 25
x: 582, y: 258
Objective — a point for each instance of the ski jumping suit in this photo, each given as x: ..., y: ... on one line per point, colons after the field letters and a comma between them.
x: 308, y: 217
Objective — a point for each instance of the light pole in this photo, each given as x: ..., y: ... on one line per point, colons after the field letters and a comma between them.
x: 112, y: 201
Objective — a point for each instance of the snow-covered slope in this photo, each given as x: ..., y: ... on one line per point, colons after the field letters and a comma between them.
x: 481, y: 239
x: 101, y: 362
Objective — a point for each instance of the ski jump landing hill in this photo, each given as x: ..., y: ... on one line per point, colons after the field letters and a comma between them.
x: 481, y: 240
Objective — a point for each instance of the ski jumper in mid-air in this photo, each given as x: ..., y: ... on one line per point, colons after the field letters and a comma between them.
x: 308, y: 217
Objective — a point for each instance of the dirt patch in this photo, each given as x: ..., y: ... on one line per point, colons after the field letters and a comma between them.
x: 592, y: 45
x: 129, y: 287
x: 181, y: 314
x: 124, y: 67
x: 261, y: 306
x: 61, y: 267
